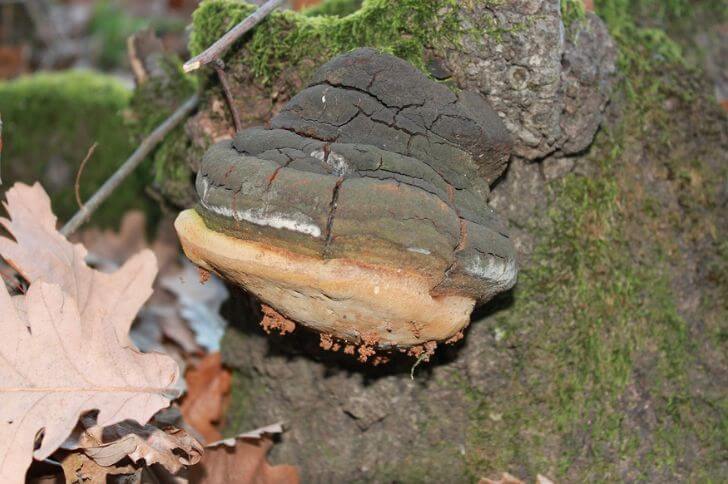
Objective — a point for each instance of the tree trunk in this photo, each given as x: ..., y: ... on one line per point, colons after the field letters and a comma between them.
x: 605, y: 361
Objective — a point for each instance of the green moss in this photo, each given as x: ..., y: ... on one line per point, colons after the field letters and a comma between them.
x: 339, y: 8
x: 151, y: 104
x: 288, y: 39
x: 643, y: 52
x: 572, y: 10
x: 661, y: 12
x: 238, y: 419
x: 592, y: 328
x: 49, y: 122
x: 594, y: 335
x: 156, y: 99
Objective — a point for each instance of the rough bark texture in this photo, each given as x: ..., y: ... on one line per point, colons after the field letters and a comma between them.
x: 532, y: 73
x: 550, y: 88
x: 608, y: 360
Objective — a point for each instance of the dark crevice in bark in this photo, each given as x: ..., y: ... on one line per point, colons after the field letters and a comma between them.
x: 330, y: 220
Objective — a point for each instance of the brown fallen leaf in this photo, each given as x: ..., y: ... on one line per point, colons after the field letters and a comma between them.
x: 108, y: 249
x: 80, y: 468
x: 180, y: 302
x: 56, y: 366
x: 207, y: 385
x: 242, y: 461
x: 14, y: 60
x: 172, y: 448
x: 65, y: 345
x: 159, y: 318
x: 41, y: 252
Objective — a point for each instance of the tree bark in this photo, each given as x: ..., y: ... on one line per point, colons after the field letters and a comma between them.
x: 604, y: 360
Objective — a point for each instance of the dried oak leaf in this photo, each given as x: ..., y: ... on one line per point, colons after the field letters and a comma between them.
x: 41, y: 252
x: 108, y: 249
x: 160, y: 319
x: 80, y: 468
x: 171, y: 447
x: 207, y: 385
x: 67, y: 350
x: 242, y: 460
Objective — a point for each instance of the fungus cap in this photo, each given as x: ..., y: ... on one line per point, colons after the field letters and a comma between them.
x: 361, y: 212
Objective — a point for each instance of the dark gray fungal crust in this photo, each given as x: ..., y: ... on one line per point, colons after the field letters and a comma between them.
x: 376, y: 163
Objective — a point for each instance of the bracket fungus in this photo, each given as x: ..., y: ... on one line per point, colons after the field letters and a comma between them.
x: 361, y: 211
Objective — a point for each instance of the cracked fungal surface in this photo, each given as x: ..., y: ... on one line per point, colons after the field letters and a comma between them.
x: 362, y: 210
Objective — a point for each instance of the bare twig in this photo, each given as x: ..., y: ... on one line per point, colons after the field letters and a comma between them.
x: 223, y: 43
x: 219, y: 66
x: 136, y: 64
x: 144, y: 148
x: 77, y: 185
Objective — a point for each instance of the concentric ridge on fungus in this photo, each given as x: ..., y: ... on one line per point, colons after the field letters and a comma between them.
x: 362, y: 211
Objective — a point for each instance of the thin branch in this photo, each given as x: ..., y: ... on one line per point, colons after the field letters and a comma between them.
x: 219, y: 66
x: 77, y: 185
x: 144, y: 148
x: 216, y: 50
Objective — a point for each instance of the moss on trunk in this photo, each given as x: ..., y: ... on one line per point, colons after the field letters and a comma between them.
x: 151, y: 104
x: 339, y: 8
x: 610, y: 364
x: 293, y: 40
x: 608, y: 360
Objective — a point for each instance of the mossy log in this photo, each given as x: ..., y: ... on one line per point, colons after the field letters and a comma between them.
x: 50, y: 120
x: 607, y: 362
